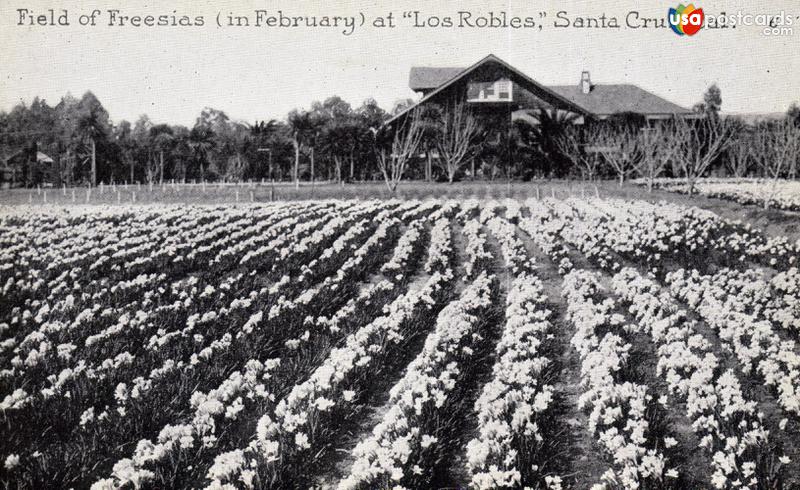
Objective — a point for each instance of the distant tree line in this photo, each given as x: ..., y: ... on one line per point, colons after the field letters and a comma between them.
x: 330, y: 141
x: 333, y: 141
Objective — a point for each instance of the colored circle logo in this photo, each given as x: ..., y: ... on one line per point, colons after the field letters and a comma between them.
x: 686, y: 19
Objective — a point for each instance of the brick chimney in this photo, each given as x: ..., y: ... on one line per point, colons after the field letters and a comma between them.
x: 586, y: 82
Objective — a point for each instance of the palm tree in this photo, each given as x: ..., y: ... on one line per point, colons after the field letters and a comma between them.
x: 547, y: 126
x: 201, y: 142
x: 91, y: 126
x: 302, y: 129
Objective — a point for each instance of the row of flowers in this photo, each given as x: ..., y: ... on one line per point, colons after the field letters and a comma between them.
x: 511, y: 247
x: 651, y: 233
x: 513, y: 405
x: 618, y: 407
x: 545, y: 231
x: 727, y: 423
x: 402, y: 446
x: 475, y: 248
x: 781, y: 194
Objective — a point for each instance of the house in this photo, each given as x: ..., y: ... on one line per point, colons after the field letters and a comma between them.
x: 26, y: 167
x: 492, y: 87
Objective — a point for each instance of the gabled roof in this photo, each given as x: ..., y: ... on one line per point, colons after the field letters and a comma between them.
x: 524, y: 80
x: 603, y: 100
x: 42, y: 158
x: 430, y: 77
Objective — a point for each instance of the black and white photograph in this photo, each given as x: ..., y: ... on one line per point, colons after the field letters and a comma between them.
x: 374, y: 244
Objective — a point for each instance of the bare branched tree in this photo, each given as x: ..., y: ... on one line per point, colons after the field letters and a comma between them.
x: 775, y: 148
x: 456, y: 139
x: 572, y: 143
x: 657, y: 150
x: 740, y: 155
x: 698, y: 144
x: 404, y: 145
x: 621, y: 148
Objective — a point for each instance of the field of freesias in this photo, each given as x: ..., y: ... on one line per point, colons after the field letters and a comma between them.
x: 576, y: 343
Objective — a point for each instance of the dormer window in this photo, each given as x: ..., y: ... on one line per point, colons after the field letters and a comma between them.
x: 497, y: 91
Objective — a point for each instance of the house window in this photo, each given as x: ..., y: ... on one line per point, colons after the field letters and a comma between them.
x: 503, y: 89
x: 497, y: 91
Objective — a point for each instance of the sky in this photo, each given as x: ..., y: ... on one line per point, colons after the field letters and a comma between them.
x: 255, y: 73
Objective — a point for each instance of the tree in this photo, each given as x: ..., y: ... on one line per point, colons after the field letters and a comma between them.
x: 162, y: 137
x: 334, y: 112
x: 572, y: 143
x: 341, y: 141
x: 547, y: 127
x: 698, y: 144
x: 621, y: 147
x: 776, y: 148
x: 123, y: 135
x: 371, y: 114
x: 657, y: 150
x: 739, y: 155
x: 506, y: 147
x: 712, y: 102
x: 303, y: 128
x: 233, y: 142
x: 456, y: 139
x: 142, y: 147
x: 404, y: 141
x: 225, y: 158
x: 92, y: 125
x: 201, y: 142
x: 261, y: 134
x: 430, y: 121
x: 368, y: 117
x: 401, y: 105
x: 181, y: 152
x: 336, y: 143
x: 794, y: 113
